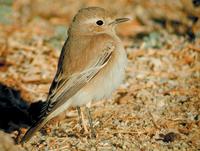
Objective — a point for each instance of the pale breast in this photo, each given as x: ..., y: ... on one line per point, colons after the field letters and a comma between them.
x: 106, y: 81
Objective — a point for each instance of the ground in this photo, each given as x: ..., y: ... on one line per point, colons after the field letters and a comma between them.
x: 158, y: 105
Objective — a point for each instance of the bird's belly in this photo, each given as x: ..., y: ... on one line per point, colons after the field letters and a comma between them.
x: 105, y: 82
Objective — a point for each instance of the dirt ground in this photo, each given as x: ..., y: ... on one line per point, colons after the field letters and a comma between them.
x: 157, y: 107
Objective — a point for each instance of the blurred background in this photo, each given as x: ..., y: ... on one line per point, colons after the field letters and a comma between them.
x: 39, y: 26
x: 161, y: 92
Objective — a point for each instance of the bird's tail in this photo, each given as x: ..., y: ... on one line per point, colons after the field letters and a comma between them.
x: 34, y: 128
x: 41, y: 122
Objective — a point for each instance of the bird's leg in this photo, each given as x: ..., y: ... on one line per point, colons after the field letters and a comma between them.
x: 81, y: 120
x: 93, y: 135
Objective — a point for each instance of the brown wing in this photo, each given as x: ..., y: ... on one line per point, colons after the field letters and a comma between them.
x: 66, y: 87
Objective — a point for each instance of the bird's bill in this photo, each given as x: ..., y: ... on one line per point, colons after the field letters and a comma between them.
x: 119, y: 20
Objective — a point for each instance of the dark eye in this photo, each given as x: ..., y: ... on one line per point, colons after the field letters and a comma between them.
x: 99, y: 22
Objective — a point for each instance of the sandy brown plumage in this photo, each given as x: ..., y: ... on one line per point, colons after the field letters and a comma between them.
x: 90, y: 67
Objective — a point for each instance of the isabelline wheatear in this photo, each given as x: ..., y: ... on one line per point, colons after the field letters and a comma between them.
x: 91, y: 65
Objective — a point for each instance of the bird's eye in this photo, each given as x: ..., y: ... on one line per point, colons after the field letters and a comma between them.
x: 99, y: 22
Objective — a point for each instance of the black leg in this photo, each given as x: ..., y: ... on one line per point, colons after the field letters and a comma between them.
x: 93, y: 135
x: 79, y: 115
x: 81, y: 120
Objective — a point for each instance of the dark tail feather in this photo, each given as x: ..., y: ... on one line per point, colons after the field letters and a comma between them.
x: 37, y: 111
x: 34, y: 128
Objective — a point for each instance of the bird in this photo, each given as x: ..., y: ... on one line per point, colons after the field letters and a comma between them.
x: 90, y: 67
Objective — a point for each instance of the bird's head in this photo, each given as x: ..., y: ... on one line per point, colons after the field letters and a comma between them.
x: 94, y: 20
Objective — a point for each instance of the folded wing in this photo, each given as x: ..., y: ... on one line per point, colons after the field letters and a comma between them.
x: 66, y: 87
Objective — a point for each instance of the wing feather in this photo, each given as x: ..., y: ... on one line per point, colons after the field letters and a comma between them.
x: 66, y: 88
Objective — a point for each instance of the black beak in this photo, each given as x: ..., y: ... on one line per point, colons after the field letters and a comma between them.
x: 119, y: 20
